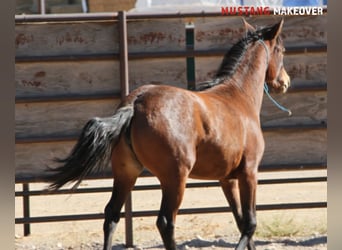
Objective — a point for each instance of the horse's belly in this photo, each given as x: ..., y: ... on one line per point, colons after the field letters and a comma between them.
x: 212, y: 169
x: 214, y: 161
x: 205, y: 176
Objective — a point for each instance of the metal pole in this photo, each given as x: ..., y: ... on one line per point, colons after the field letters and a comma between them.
x: 26, y: 208
x: 42, y: 8
x: 124, y: 92
x: 129, y: 221
x: 85, y: 6
x: 190, y: 60
x: 123, y: 54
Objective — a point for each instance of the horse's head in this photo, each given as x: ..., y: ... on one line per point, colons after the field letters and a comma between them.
x: 276, y: 76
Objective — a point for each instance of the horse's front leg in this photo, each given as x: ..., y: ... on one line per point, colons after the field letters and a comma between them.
x: 231, y: 190
x: 247, y: 181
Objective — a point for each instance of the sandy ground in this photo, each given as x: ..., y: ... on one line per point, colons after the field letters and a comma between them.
x: 285, y: 229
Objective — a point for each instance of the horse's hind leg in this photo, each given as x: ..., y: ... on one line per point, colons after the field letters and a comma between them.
x: 172, y: 195
x: 120, y: 192
x: 125, y: 171
x: 231, y: 190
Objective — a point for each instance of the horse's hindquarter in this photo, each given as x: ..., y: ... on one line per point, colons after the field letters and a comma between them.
x: 163, y: 130
x: 173, y: 127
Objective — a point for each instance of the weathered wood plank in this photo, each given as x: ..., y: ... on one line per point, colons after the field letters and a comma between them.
x: 285, y: 147
x: 309, y: 68
x: 295, y: 147
x: 67, y: 78
x: 32, y: 159
x: 53, y: 119
x: 156, y: 35
x: 217, y: 32
x: 94, y: 77
x: 58, y: 118
x: 308, y: 108
x: 81, y: 38
x: 305, y: 30
x: 170, y: 71
x: 66, y: 38
x: 223, y: 32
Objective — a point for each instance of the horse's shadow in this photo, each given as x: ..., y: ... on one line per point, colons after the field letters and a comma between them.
x: 305, y: 242
x: 202, y: 243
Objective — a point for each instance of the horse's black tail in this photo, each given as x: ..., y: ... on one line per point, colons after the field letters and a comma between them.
x: 92, y: 150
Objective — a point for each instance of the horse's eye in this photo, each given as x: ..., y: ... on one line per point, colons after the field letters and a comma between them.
x: 279, y: 49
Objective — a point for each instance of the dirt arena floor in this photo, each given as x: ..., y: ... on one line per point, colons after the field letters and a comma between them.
x: 283, y: 229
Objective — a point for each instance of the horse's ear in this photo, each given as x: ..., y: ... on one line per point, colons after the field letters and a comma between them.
x: 275, y: 30
x: 248, y: 27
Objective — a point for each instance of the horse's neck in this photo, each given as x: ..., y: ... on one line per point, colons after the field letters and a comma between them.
x: 249, y: 76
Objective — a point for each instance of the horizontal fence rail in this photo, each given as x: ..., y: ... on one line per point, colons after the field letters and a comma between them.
x: 169, y: 54
x: 114, y: 15
x: 190, y: 53
x: 26, y: 194
x: 129, y: 214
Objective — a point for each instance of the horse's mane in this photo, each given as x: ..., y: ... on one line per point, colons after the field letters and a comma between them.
x: 233, y: 57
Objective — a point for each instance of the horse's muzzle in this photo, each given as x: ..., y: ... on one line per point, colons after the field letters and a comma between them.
x: 284, y: 81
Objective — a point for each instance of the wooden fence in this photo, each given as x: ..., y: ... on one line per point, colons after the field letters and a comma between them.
x: 70, y: 68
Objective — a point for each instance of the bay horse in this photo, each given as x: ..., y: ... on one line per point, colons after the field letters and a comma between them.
x: 213, y: 133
